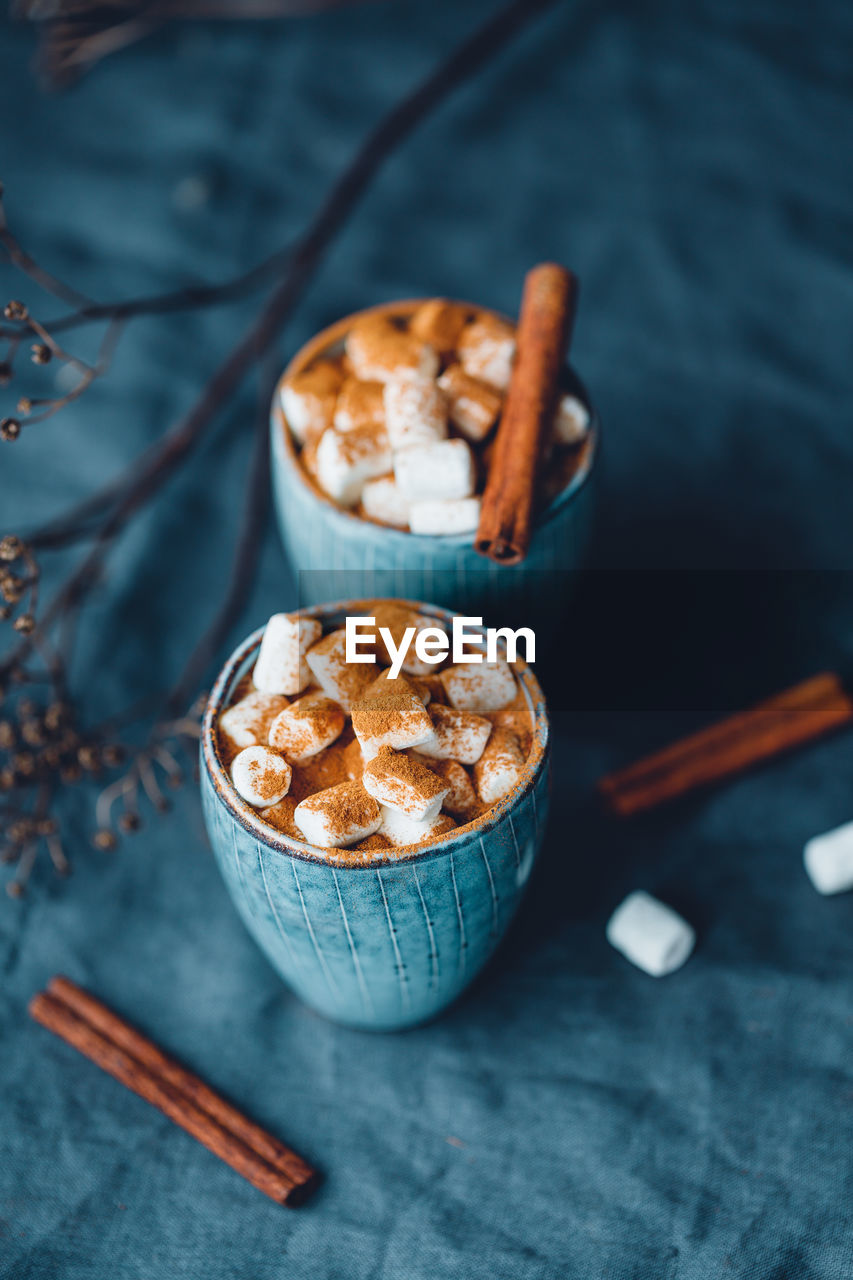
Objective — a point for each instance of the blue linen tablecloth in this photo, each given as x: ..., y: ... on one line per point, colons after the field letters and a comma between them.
x: 571, y: 1117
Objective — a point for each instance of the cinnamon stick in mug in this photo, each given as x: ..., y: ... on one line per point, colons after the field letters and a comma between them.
x: 544, y: 330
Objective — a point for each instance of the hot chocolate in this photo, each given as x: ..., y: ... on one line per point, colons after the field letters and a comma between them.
x: 362, y: 765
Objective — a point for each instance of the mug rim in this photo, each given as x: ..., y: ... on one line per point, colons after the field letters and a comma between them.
x: 336, y: 332
x: 249, y: 818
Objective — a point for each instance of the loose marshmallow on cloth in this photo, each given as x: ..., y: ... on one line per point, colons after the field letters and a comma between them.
x: 436, y: 516
x: 473, y: 406
x: 500, y: 767
x: 378, y: 350
x: 487, y: 350
x: 308, y: 399
x: 247, y: 722
x: 571, y: 421
x: 403, y: 783
x: 399, y: 829
x: 456, y: 735
x: 340, y: 680
x: 345, y: 461
x: 381, y: 499
x: 306, y: 727
x: 261, y: 776
x: 397, y: 720
x: 650, y: 934
x: 338, y: 816
x: 280, y: 666
x: 441, y: 470
x: 828, y: 860
x: 415, y: 412
x: 479, y: 687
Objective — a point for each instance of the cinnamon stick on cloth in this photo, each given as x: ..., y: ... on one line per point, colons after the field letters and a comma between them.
x: 787, y: 720
x: 136, y: 1062
x: 544, y: 330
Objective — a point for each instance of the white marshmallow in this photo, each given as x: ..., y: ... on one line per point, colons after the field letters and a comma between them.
x: 261, y: 776
x: 248, y: 721
x: 828, y: 860
x: 340, y: 680
x: 382, y: 500
x: 308, y: 399
x: 473, y: 406
x: 378, y: 350
x: 650, y: 934
x: 479, y: 687
x: 444, y: 516
x: 415, y: 412
x: 487, y: 351
x: 403, y: 783
x: 280, y: 666
x: 397, y: 618
x: 338, y: 816
x: 456, y: 735
x: 345, y: 462
x: 307, y: 727
x: 500, y: 767
x: 396, y: 720
x: 399, y: 829
x: 385, y: 683
x: 571, y: 421
x: 359, y: 404
x: 441, y: 470
x: 461, y: 797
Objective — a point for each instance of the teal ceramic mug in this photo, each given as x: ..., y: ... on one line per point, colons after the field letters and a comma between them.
x: 390, y: 943
x: 334, y: 551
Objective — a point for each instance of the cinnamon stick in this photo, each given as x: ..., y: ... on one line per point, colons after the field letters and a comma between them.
x: 122, y: 1051
x: 795, y: 716
x: 544, y: 329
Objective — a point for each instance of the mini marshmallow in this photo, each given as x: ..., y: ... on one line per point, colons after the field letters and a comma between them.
x: 306, y: 727
x: 461, y: 798
x: 342, y: 681
x: 397, y: 720
x: 261, y: 776
x: 382, y: 500
x: 456, y: 735
x: 401, y: 830
x: 359, y: 404
x: 415, y: 412
x: 650, y: 934
x: 397, y: 618
x: 385, y: 683
x: 308, y: 399
x: 571, y: 421
x: 487, y: 350
x: 280, y: 666
x: 500, y: 767
x: 441, y: 470
x: 345, y: 462
x: 479, y: 687
x: 378, y: 350
x: 400, y: 782
x: 473, y: 406
x: 828, y: 860
x: 247, y: 722
x: 338, y: 816
x: 436, y: 516
x: 439, y: 323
